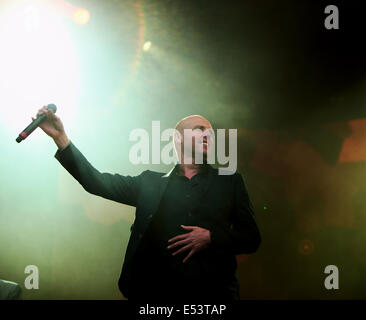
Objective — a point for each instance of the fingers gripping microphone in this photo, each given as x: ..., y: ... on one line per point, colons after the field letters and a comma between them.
x: 34, y: 124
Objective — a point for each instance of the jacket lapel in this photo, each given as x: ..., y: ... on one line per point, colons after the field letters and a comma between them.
x: 163, y: 183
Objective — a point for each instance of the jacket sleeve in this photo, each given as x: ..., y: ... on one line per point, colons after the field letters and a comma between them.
x: 116, y: 187
x: 243, y: 235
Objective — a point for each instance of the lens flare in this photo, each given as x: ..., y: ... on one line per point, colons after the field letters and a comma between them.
x: 82, y: 16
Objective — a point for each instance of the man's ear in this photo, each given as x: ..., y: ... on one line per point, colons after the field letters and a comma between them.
x: 178, y: 144
x: 177, y: 136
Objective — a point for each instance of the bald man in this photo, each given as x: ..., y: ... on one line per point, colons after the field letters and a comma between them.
x: 189, y: 223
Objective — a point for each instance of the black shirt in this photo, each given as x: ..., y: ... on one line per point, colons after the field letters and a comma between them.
x: 155, y: 266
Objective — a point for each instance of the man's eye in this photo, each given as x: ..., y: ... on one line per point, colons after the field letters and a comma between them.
x: 208, y: 133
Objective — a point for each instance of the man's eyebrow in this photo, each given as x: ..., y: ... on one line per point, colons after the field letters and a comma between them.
x: 199, y: 127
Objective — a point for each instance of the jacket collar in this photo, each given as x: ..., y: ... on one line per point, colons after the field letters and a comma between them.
x: 167, y: 175
x: 176, y: 168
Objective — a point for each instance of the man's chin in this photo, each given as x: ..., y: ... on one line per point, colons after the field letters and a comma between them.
x: 205, y: 155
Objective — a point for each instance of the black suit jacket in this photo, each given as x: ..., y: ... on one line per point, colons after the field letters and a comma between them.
x: 228, y: 214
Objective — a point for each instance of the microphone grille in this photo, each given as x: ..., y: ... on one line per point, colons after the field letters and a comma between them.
x: 52, y: 107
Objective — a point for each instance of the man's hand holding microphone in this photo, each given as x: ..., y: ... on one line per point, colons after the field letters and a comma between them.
x: 53, y: 127
x: 49, y: 123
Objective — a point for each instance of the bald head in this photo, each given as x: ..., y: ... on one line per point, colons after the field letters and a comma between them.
x: 197, y: 132
x: 191, y: 122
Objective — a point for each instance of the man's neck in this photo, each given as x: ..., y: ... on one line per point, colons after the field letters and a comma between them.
x: 189, y: 170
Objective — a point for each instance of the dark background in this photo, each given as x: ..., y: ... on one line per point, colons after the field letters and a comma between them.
x: 294, y: 90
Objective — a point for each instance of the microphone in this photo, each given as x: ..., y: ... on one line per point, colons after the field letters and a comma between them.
x: 34, y: 124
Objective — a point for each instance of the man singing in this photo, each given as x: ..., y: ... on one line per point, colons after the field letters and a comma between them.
x: 189, y: 223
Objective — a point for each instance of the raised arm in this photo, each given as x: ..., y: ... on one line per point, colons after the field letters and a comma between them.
x: 123, y: 189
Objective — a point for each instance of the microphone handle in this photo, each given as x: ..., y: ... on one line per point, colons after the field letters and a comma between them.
x: 28, y: 130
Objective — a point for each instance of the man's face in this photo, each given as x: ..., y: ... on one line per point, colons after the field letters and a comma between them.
x: 200, y: 133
